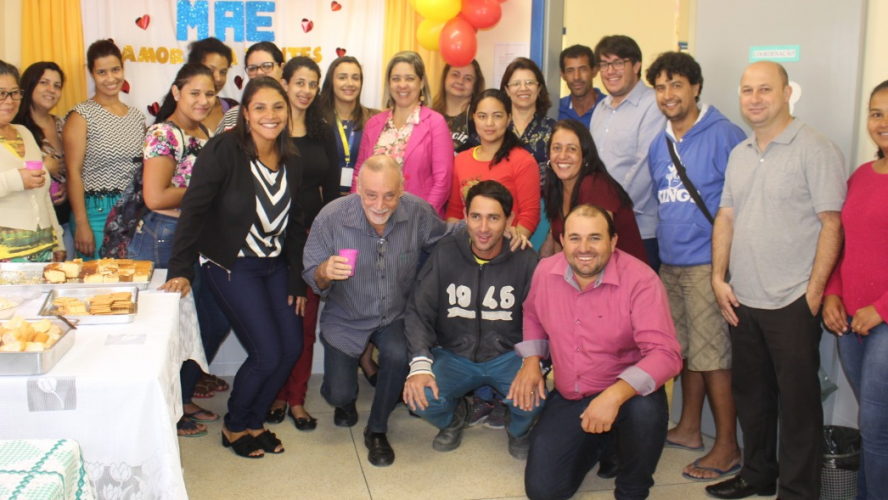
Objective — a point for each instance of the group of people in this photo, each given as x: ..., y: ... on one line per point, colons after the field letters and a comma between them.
x: 640, y: 200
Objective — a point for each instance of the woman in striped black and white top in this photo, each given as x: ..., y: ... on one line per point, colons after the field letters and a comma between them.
x: 242, y: 215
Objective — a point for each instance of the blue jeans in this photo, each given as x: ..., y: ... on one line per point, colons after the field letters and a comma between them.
x: 865, y: 360
x: 254, y: 299
x: 562, y: 453
x: 456, y: 376
x: 154, y: 241
x: 340, y: 385
x: 97, y: 208
x: 652, y: 247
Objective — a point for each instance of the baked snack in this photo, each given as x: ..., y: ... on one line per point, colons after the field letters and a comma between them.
x: 54, y: 273
x: 72, y: 268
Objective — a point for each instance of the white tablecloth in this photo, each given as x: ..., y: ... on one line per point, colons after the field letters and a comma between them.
x: 117, y: 392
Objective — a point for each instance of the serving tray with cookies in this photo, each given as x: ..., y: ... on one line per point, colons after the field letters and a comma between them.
x: 93, y: 306
x: 76, y: 273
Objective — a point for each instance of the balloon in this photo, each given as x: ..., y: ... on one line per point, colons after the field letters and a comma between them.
x: 438, y: 10
x: 458, y: 43
x: 428, y: 33
x: 481, y: 14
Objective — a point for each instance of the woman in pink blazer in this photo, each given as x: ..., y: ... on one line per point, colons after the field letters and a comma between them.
x: 413, y: 134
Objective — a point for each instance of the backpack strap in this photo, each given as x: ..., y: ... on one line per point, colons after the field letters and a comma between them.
x: 689, y: 186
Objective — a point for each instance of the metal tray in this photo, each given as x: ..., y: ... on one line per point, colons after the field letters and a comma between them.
x: 49, y: 310
x: 33, y: 273
x: 37, y: 363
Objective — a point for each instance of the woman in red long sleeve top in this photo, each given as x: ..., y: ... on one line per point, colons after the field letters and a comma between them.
x: 856, y: 300
x: 501, y: 158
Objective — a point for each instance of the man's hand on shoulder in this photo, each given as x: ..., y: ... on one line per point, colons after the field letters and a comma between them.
x: 599, y: 416
x: 414, y: 390
x: 529, y: 385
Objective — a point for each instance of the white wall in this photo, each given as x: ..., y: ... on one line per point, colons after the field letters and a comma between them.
x: 10, y: 39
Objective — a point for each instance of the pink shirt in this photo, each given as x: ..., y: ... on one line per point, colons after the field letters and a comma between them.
x: 861, y: 276
x: 618, y: 328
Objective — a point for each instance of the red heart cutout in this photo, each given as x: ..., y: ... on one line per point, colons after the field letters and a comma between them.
x: 335, y: 6
x: 125, y: 87
x: 307, y: 25
x: 340, y: 51
x: 239, y: 81
x: 153, y: 109
x: 143, y: 21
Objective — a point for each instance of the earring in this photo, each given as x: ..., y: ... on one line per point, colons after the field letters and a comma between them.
x: 248, y: 127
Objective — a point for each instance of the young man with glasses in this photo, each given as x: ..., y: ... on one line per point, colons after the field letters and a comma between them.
x: 623, y: 126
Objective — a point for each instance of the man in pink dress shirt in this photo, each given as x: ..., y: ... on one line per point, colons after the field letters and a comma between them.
x: 604, y: 316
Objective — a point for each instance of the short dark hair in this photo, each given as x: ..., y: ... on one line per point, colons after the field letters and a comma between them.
x: 199, y: 50
x: 285, y: 147
x: 576, y: 51
x: 102, y: 48
x: 590, y: 210
x: 543, y: 101
x: 620, y: 46
x: 30, y: 78
x: 269, y: 47
x: 879, y: 88
x: 9, y: 69
x: 676, y: 63
x: 493, y: 190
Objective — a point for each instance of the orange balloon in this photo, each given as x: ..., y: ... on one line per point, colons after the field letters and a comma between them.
x: 458, y: 43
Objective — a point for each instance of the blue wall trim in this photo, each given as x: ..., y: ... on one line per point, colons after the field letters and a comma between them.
x: 537, y: 31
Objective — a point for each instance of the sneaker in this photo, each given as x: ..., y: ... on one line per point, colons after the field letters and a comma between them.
x: 478, y: 411
x: 519, y: 446
x: 497, y: 417
x: 450, y: 437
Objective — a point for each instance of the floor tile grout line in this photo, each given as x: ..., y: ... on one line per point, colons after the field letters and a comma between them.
x: 360, y: 462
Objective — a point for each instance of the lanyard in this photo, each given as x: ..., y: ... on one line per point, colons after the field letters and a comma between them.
x: 346, y: 144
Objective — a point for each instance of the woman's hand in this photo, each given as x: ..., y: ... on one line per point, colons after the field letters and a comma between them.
x: 176, y: 285
x: 84, y: 241
x: 59, y: 256
x: 32, y: 179
x: 300, y: 304
x: 865, y: 319
x: 834, y: 316
x: 60, y: 196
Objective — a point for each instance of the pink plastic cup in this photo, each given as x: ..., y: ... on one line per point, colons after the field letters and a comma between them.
x: 352, y: 255
x: 34, y: 165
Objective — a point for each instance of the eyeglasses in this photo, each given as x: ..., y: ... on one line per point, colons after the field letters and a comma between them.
x: 618, y: 65
x: 15, y: 94
x: 266, y: 68
x: 517, y: 84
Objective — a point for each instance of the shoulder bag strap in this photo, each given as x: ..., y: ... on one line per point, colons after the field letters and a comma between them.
x: 683, y: 174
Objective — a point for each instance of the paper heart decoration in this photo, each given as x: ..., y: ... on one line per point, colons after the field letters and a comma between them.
x: 239, y: 81
x: 340, y: 51
x: 125, y: 88
x: 307, y: 25
x: 335, y: 6
x: 153, y: 109
x: 143, y: 21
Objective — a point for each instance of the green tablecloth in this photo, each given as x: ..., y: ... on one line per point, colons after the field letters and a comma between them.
x: 32, y: 469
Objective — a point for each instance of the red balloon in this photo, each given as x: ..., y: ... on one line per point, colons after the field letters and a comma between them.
x: 458, y: 43
x: 481, y: 14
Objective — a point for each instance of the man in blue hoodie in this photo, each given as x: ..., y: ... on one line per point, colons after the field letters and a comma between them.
x: 694, y: 148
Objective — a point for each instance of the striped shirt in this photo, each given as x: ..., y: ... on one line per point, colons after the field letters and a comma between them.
x: 376, y: 295
x: 266, y: 236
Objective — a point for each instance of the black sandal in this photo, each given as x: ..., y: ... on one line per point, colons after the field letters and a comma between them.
x: 243, y: 446
x: 269, y: 442
x: 276, y: 416
x: 304, y: 424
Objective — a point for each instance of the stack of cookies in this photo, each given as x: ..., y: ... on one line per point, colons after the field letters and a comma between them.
x: 69, y: 306
x: 112, y: 303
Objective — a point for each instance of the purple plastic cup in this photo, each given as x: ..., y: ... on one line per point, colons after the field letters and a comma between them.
x: 352, y: 255
x: 34, y: 165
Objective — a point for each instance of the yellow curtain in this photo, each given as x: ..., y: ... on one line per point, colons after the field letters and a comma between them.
x: 401, y: 22
x: 52, y: 30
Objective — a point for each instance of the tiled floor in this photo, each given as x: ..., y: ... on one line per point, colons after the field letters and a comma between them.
x: 331, y: 463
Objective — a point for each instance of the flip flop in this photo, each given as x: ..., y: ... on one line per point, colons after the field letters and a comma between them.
x: 221, y: 384
x: 721, y: 473
x: 192, y: 416
x: 185, y: 424
x: 673, y: 444
x: 203, y: 390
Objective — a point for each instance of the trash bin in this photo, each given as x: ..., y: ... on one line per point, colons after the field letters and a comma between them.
x: 841, y: 461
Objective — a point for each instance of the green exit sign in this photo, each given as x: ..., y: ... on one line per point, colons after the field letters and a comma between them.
x: 776, y: 53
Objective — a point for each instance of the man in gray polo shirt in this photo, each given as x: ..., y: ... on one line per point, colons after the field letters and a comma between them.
x: 623, y: 126
x: 779, y: 226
